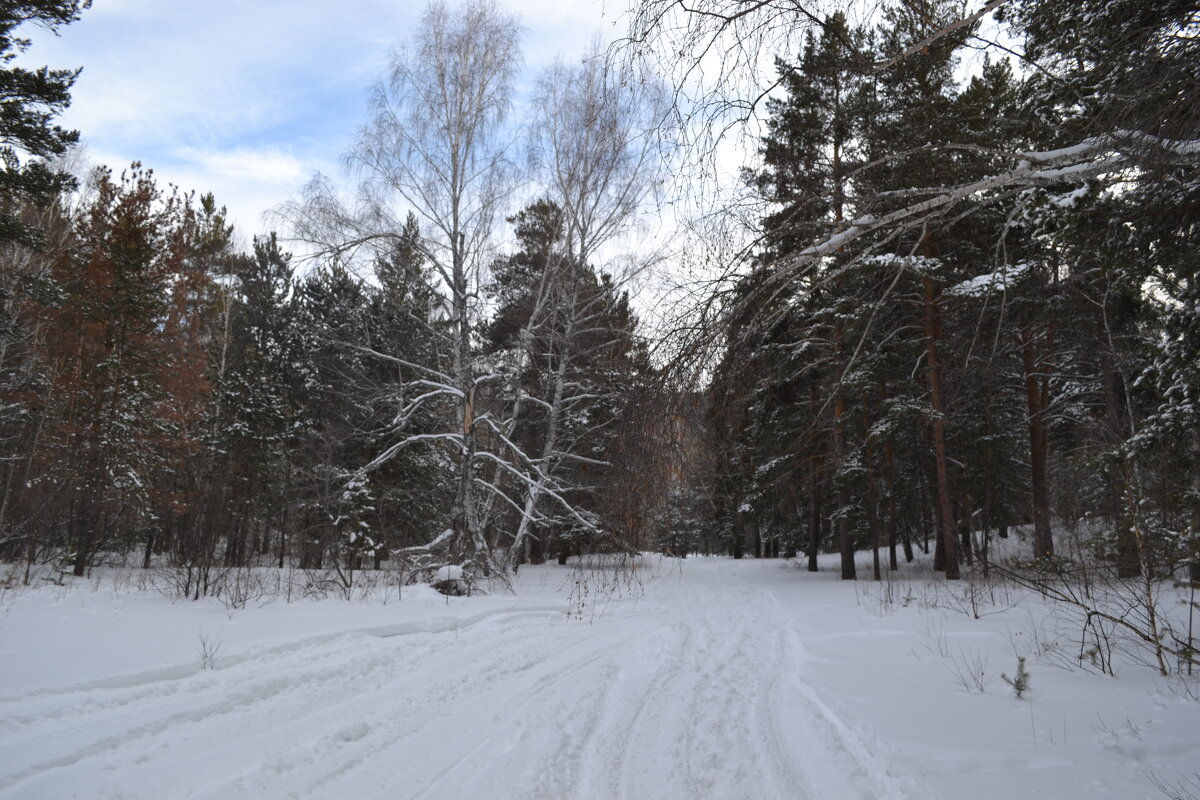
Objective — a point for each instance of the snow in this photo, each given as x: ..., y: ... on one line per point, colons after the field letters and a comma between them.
x: 696, y: 678
x: 998, y: 281
x: 450, y: 572
x: 1070, y: 199
x: 1181, y: 147
x: 1079, y: 150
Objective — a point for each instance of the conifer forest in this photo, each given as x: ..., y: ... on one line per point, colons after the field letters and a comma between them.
x: 905, y: 295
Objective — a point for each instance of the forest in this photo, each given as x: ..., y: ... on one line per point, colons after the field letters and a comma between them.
x: 942, y: 306
x: 770, y: 399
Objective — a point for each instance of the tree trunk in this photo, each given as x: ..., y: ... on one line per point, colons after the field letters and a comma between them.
x: 939, y: 546
x: 873, y: 522
x: 966, y: 526
x: 534, y: 491
x: 464, y: 543
x: 933, y: 335
x: 845, y: 543
x: 1043, y: 542
x: 1194, y: 564
x: 737, y: 520
x: 892, y: 522
x: 926, y: 525
x: 1128, y: 563
x: 814, y: 518
x: 814, y: 490
x: 826, y: 526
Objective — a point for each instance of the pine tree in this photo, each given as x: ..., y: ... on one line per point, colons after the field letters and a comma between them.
x: 28, y: 137
x: 253, y: 367
x: 114, y: 356
x: 809, y: 153
x: 404, y: 324
x: 570, y: 338
x: 334, y: 436
x: 33, y: 229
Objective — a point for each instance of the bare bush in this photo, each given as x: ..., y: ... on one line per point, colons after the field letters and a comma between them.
x: 210, y: 648
x: 1185, y: 789
x: 969, y: 668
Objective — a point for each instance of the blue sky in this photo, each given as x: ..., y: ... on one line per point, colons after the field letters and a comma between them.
x: 249, y: 99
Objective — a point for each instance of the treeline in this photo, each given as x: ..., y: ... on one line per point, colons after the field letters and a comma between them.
x: 171, y: 397
x: 972, y: 306
x: 975, y: 303
x: 410, y: 394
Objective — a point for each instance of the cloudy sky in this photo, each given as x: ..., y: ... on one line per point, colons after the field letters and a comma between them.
x: 249, y: 99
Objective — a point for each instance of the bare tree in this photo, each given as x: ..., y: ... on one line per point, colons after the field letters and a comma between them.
x: 436, y: 144
x: 596, y: 134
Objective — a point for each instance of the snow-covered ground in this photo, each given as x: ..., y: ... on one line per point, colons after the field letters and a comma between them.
x: 704, y: 678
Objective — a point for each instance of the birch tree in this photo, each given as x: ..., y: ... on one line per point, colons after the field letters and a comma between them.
x: 570, y: 337
x: 596, y: 136
x: 436, y: 144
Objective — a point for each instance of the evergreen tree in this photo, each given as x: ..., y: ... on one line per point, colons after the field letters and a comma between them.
x: 809, y: 153
x: 253, y: 363
x: 405, y: 325
x: 334, y: 438
x: 570, y: 338
x: 28, y: 137
x: 114, y: 355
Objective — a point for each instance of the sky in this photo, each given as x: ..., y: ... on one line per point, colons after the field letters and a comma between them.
x: 248, y: 100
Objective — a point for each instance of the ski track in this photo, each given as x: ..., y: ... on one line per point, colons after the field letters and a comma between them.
x: 694, y: 691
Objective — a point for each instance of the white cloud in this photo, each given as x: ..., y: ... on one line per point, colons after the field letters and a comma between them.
x: 268, y: 165
x: 247, y: 100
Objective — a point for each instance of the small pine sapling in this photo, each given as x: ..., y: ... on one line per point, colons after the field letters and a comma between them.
x: 1019, y: 682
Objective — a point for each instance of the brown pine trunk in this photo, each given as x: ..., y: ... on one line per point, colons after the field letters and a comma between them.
x: 814, y: 517
x: 1035, y: 394
x: 1128, y: 563
x: 814, y: 490
x: 872, y: 512
x: 845, y: 543
x: 933, y: 335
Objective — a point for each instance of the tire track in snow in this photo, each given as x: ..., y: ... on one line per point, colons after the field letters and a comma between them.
x: 146, y: 713
x: 695, y: 691
x: 856, y: 769
x: 429, y: 703
x: 144, y: 720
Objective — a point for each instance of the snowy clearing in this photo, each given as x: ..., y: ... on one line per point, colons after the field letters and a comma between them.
x: 706, y: 678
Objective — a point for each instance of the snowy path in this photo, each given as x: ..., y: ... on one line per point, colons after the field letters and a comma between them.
x: 694, y: 689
